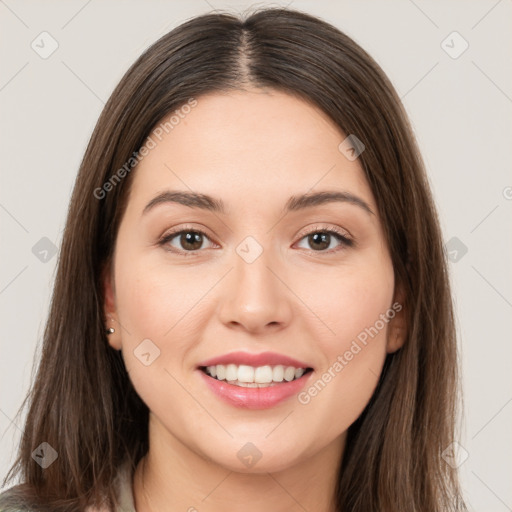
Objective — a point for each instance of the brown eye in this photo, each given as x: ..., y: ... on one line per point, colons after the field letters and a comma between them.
x: 191, y: 240
x: 187, y: 240
x: 319, y: 241
x: 326, y: 240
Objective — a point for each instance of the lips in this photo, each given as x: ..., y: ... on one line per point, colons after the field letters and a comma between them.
x: 254, y: 398
x: 264, y: 393
x: 256, y: 360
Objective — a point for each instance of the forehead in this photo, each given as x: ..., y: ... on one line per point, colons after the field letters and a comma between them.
x: 262, y: 145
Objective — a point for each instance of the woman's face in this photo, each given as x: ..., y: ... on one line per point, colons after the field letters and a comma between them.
x: 267, y: 276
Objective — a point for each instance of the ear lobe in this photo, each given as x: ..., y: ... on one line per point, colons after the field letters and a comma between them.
x: 397, y: 329
x: 396, y: 339
x: 109, y: 308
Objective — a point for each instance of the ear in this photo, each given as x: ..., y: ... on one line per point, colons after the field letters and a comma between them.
x: 397, y: 328
x: 110, y: 308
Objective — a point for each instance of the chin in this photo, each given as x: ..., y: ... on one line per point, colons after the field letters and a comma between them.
x: 255, y: 458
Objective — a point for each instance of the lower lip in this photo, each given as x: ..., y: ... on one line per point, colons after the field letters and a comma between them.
x: 255, y: 398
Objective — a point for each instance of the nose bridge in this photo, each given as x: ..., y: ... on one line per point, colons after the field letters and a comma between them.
x: 253, y: 279
x: 251, y: 266
x: 255, y: 297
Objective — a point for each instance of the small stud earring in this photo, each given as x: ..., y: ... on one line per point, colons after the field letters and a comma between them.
x: 110, y: 330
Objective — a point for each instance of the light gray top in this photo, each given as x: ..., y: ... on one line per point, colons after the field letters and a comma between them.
x: 124, y: 489
x: 124, y: 492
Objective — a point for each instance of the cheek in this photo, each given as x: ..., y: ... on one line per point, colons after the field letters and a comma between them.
x: 357, y: 309
x: 358, y: 314
x: 153, y: 338
x: 145, y: 302
x: 163, y: 315
x: 354, y: 300
x: 156, y: 301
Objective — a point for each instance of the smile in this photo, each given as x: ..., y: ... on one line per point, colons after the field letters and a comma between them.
x: 254, y: 395
x: 254, y: 377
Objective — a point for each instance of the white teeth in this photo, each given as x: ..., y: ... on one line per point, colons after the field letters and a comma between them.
x: 248, y: 376
x: 231, y: 372
x: 245, y: 384
x: 278, y: 373
x: 250, y: 384
x: 245, y: 373
x: 221, y: 372
x: 289, y: 373
x: 263, y: 375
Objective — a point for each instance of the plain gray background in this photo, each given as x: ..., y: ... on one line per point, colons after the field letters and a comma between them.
x: 460, y: 107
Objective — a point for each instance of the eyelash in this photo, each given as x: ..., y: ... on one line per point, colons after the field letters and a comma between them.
x: 338, y: 235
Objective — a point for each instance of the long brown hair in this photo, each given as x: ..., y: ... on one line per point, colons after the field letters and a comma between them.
x: 82, y: 401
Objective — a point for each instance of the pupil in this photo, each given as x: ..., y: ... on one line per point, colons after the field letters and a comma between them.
x: 321, y: 240
x: 191, y: 238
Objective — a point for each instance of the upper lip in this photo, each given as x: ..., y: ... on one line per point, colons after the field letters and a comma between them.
x: 256, y: 360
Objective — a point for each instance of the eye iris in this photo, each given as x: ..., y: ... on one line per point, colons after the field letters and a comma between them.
x: 191, y: 237
x: 320, y: 240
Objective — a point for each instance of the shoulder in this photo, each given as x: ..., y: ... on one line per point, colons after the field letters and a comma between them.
x: 124, y: 489
x: 124, y: 492
x: 10, y: 499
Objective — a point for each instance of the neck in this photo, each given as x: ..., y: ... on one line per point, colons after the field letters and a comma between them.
x: 172, y: 477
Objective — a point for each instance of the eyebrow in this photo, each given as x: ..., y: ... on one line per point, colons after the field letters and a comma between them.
x: 294, y: 203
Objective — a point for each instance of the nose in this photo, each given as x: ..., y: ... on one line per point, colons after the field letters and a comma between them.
x: 256, y: 298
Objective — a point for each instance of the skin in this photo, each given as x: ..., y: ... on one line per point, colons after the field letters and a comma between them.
x: 253, y: 149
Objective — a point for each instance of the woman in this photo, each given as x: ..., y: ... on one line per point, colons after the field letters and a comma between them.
x: 252, y: 306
